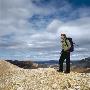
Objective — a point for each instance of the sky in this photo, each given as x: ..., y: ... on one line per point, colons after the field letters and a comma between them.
x: 30, y: 29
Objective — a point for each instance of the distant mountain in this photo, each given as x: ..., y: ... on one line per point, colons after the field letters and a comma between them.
x: 75, y: 65
x: 82, y: 65
x: 24, y: 64
x: 47, y: 62
x: 85, y: 62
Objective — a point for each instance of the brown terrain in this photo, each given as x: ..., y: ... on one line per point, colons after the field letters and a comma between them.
x: 13, y: 77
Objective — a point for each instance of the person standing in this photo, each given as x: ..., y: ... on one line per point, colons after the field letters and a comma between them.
x: 65, y: 53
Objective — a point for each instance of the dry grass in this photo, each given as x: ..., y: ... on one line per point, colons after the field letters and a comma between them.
x: 81, y: 70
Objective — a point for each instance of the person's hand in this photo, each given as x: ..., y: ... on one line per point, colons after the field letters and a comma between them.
x: 61, y: 52
x: 67, y: 51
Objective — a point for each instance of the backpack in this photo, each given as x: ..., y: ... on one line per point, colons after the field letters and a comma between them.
x: 72, y: 44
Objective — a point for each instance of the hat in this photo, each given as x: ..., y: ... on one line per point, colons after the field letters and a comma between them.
x: 62, y: 34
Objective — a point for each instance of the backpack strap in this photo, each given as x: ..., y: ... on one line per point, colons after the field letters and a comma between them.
x: 66, y: 42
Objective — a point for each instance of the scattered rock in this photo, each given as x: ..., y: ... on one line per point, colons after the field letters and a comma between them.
x: 15, y: 78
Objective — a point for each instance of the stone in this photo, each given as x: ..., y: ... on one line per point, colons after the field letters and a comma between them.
x: 15, y: 78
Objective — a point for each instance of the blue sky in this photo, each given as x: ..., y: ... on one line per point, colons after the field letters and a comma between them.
x: 30, y: 29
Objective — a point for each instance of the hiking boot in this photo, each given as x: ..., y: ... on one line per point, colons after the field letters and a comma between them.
x: 60, y: 71
x: 67, y: 72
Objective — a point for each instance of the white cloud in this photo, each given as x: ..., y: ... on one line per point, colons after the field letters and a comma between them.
x: 14, y: 15
x: 76, y: 28
x: 54, y: 25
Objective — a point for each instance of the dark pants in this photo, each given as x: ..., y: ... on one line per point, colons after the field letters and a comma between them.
x: 64, y: 55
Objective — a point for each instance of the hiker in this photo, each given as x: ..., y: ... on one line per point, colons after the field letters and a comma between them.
x: 67, y: 47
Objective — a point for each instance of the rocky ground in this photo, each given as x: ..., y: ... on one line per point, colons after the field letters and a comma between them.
x: 15, y: 78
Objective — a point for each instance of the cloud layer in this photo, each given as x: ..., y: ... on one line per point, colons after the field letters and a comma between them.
x: 31, y: 29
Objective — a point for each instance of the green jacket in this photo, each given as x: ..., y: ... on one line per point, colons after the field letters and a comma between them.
x: 66, y: 45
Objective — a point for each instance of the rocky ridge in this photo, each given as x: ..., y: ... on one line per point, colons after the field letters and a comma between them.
x: 15, y: 78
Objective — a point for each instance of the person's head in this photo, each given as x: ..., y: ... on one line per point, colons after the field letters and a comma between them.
x: 63, y: 36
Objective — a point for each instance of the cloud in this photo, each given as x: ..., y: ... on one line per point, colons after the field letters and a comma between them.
x: 31, y: 28
x: 76, y: 28
x: 54, y: 25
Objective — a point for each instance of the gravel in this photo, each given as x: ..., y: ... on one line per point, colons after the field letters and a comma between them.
x: 15, y: 78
